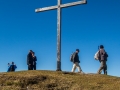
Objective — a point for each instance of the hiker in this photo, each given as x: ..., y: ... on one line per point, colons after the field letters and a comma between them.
x: 76, y: 61
x: 102, y: 55
x: 34, y: 60
x: 30, y: 60
x: 12, y: 67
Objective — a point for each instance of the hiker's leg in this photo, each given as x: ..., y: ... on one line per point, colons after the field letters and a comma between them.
x: 31, y: 67
x: 34, y: 67
x: 105, y: 69
x: 78, y: 66
x: 105, y: 72
x: 74, y: 67
x: 28, y: 67
x: 101, y: 67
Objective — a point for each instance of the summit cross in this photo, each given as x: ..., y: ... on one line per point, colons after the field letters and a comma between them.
x: 59, y: 6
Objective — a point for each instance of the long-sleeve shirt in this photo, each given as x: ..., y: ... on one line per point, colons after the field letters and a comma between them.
x: 76, y: 58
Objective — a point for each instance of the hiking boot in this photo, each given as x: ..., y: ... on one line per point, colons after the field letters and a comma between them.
x: 99, y: 72
x: 81, y: 72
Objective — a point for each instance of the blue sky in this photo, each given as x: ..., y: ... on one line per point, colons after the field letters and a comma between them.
x: 83, y: 26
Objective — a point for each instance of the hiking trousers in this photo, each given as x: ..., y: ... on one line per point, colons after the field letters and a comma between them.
x: 34, y: 67
x: 102, y: 67
x: 76, y: 65
x: 30, y: 67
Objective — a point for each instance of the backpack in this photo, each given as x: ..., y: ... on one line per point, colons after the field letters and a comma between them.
x: 106, y: 56
x: 12, y: 68
x: 72, y: 57
x: 96, y: 56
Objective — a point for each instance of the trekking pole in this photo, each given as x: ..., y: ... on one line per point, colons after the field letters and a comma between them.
x: 99, y: 53
x: 98, y: 47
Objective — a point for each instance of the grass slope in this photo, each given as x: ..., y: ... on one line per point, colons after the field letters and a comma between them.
x: 52, y: 80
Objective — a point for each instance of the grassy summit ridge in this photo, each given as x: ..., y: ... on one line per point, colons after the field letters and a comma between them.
x: 52, y: 80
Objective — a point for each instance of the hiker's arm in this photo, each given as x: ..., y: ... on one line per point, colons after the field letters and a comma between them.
x: 35, y: 58
x: 27, y: 60
x: 15, y: 66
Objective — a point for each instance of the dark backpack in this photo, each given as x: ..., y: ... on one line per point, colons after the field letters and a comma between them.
x: 106, y: 56
x: 72, y: 57
x: 12, y: 68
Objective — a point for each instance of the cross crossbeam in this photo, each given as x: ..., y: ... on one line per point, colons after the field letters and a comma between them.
x: 58, y: 7
x: 61, y: 6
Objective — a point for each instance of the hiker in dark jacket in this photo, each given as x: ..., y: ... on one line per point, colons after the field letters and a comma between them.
x: 76, y: 62
x: 12, y: 67
x: 30, y: 60
x: 102, y: 58
x: 34, y: 60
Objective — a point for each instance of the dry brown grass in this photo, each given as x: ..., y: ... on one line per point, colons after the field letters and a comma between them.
x: 54, y: 80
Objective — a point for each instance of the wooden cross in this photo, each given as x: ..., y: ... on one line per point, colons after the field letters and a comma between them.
x: 58, y: 7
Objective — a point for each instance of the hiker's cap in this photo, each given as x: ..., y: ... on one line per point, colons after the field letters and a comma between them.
x: 77, y: 50
x: 30, y: 50
x: 12, y: 62
x: 101, y: 46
